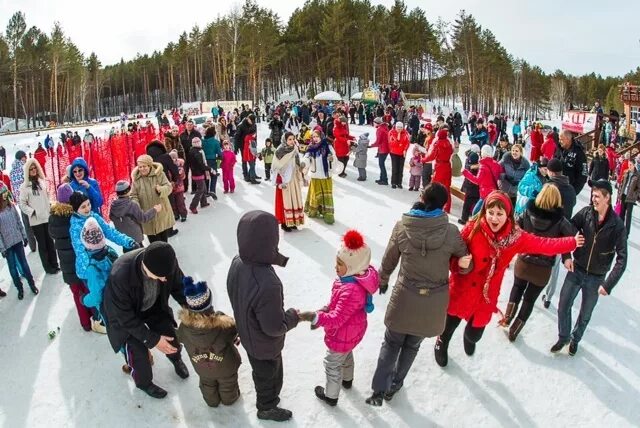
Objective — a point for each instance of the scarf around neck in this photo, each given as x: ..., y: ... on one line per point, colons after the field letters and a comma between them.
x: 498, y: 242
x: 321, y: 149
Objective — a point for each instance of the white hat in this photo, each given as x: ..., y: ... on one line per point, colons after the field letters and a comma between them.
x: 487, y: 151
x: 475, y: 148
x: 399, y: 124
x: 354, y: 253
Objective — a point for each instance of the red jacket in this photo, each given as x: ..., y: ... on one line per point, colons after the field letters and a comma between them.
x: 247, y: 155
x: 398, y: 142
x: 612, y: 157
x: 467, y: 292
x: 41, y: 156
x: 440, y: 152
x: 493, y: 133
x: 341, y: 138
x: 548, y: 148
x: 536, y: 145
x: 487, y: 178
x: 382, y: 139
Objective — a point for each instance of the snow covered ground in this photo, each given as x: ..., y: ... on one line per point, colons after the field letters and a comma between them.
x: 75, y: 379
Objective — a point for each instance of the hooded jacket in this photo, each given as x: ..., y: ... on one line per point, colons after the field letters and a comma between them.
x: 382, y: 140
x: 143, y: 191
x: 93, y: 191
x: 487, y: 177
x: 424, y: 247
x: 128, y: 217
x: 599, y: 168
x: 440, y: 154
x: 208, y: 339
x: 537, y: 140
x: 341, y: 138
x: 59, y: 224
x: 35, y: 204
x: 158, y: 153
x: 255, y: 291
x: 123, y: 298
x: 549, y: 147
x: 345, y: 320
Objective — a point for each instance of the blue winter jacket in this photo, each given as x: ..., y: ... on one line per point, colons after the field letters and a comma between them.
x: 82, y: 255
x: 480, y: 138
x: 98, y: 271
x: 93, y: 192
x: 211, y: 149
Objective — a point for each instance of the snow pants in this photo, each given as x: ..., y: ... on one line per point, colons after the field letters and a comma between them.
x: 338, y: 366
x: 84, y: 314
x: 396, y: 357
x: 267, y: 379
x: 223, y: 390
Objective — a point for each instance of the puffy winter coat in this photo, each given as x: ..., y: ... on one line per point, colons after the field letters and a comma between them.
x: 143, y: 191
x: 255, y: 291
x: 549, y: 147
x: 128, y: 217
x: 341, y: 138
x: 93, y: 191
x: 211, y: 149
x: 513, y: 173
x: 59, y: 224
x: 360, y: 160
x: 345, y: 320
x: 599, y: 168
x: 16, y: 176
x: 474, y: 296
x: 382, y: 140
x: 537, y: 140
x: 487, y: 177
x: 398, y: 142
x: 423, y: 246
x: 98, y: 270
x: 480, y: 137
x: 209, y: 341
x: 35, y: 204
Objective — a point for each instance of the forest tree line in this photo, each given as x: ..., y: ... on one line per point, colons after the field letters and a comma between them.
x: 250, y: 54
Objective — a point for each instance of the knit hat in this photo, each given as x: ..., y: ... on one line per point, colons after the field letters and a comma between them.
x: 475, y: 148
x: 602, y: 185
x: 160, y: 259
x: 197, y: 294
x: 122, y: 187
x: 145, y: 160
x: 64, y: 193
x: 377, y: 121
x: 486, y: 151
x: 399, y: 125
x: 354, y: 253
x: 76, y: 199
x: 554, y: 165
x: 20, y: 154
x: 196, y: 142
x: 91, y: 236
x: 364, y: 137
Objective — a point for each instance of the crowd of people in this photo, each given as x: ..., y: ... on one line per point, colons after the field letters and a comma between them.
x: 518, y: 205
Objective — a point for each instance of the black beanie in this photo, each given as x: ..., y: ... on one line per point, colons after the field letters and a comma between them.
x: 77, y: 199
x: 160, y: 259
x: 602, y: 185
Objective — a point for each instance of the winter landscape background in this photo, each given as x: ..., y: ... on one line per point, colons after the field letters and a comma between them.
x: 75, y: 379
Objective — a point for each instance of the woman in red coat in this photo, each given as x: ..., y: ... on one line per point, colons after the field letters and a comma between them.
x: 440, y: 153
x: 398, y: 145
x: 341, y: 139
x: 549, y: 147
x: 493, y: 240
x: 488, y: 174
x: 537, y: 140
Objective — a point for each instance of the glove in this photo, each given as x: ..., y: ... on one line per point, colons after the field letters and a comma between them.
x: 25, y: 243
x: 307, y: 316
x: 383, y: 288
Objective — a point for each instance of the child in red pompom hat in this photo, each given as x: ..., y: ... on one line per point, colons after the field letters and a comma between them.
x: 345, y: 317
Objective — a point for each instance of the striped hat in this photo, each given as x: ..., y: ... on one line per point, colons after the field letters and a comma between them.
x: 197, y: 294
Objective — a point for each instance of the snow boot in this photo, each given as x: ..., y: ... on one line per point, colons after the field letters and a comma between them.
x: 441, y: 351
x: 573, y: 348
x: 375, y: 399
x: 285, y: 227
x: 546, y: 303
x: 388, y: 396
x: 558, y: 346
x: 180, y: 368
x: 98, y: 326
x: 347, y: 384
x: 20, y: 292
x: 469, y: 346
x: 34, y: 289
x: 154, y: 391
x: 2, y: 294
x: 512, y: 307
x: 515, y: 329
x: 276, y: 414
x: 320, y: 394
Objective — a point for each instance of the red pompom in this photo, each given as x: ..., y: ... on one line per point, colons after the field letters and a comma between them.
x: 353, y: 240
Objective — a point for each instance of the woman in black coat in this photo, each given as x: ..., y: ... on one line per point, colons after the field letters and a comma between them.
x: 599, y: 166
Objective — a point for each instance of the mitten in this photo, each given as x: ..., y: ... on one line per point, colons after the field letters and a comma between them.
x: 383, y: 288
x: 307, y: 316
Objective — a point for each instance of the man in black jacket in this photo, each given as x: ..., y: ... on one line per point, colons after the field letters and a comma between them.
x: 591, y: 264
x: 246, y: 127
x: 185, y: 139
x: 137, y: 312
x: 256, y: 296
x: 568, y: 197
x: 574, y: 161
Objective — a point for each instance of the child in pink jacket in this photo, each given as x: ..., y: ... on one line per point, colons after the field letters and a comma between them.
x: 227, y: 164
x: 345, y: 318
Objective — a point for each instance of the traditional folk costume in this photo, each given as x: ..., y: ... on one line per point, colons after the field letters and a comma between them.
x: 287, y: 168
x: 320, y: 196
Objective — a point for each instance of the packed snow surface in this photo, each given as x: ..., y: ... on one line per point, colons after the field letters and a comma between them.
x: 75, y: 379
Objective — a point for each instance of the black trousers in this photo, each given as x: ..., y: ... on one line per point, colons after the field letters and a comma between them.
x: 267, y: 378
x: 344, y: 160
x: 267, y: 170
x: 427, y: 172
x: 467, y: 207
x: 472, y: 334
x: 397, y: 354
x: 625, y: 214
x: 46, y: 250
x: 245, y: 170
x: 528, y: 293
x: 137, y: 354
x: 162, y: 236
x: 397, y: 167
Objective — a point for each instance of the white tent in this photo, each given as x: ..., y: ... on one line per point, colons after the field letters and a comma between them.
x: 328, y: 96
x: 357, y: 96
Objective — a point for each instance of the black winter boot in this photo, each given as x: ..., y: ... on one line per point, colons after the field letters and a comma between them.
x: 515, y: 329
x: 469, y: 346
x: 181, y: 368
x: 154, y: 391
x: 320, y: 394
x: 388, y: 396
x: 573, y: 348
x: 558, y: 346
x: 441, y: 351
x: 347, y: 384
x: 375, y: 399
x: 20, y: 291
x: 276, y: 414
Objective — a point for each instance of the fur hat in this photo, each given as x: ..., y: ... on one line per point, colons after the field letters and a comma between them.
x: 354, y: 253
x: 64, y: 193
x: 92, y: 236
x: 76, y: 199
x: 197, y: 294
x: 160, y: 259
x: 145, y: 160
x: 486, y: 151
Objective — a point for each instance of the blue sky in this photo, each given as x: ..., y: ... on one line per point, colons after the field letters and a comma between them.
x: 575, y: 36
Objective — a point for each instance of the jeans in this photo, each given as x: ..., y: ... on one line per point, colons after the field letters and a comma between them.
x: 211, y: 183
x: 382, y: 157
x: 553, y: 281
x: 477, y: 207
x: 252, y: 170
x: 362, y: 173
x: 397, y: 354
x: 245, y: 170
x: 576, y: 281
x: 17, y: 261
x: 267, y: 170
